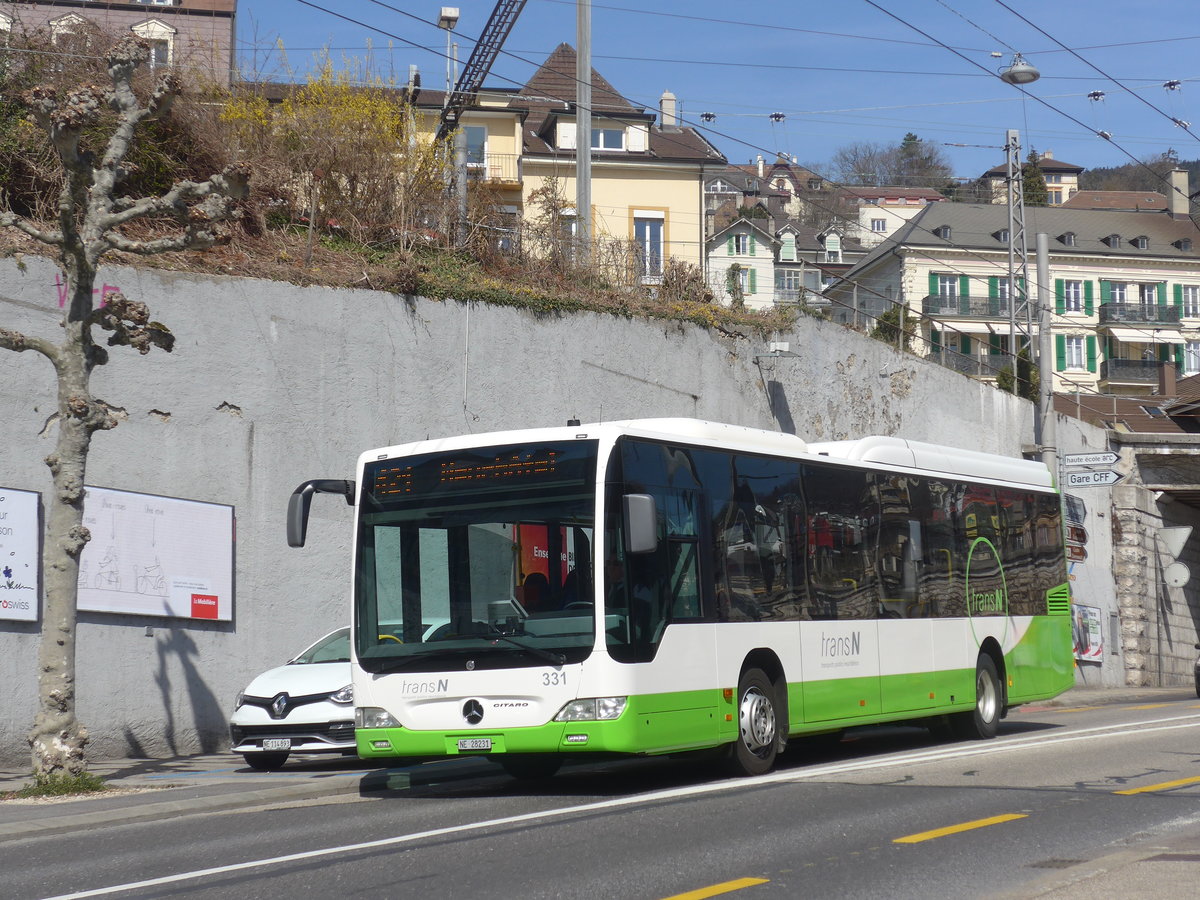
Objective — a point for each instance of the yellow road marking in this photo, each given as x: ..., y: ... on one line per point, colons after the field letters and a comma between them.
x: 725, y: 887
x: 1148, y: 706
x: 1165, y: 786
x: 955, y: 829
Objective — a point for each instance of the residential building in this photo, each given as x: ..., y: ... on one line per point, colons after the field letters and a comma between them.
x: 883, y: 210
x: 1133, y: 201
x: 1062, y: 179
x: 1124, y: 289
x: 194, y: 36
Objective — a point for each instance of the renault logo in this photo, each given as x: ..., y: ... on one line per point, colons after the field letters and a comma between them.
x: 279, y: 706
x: 473, y: 712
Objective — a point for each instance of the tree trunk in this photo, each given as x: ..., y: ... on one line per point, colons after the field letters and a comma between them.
x: 57, y: 740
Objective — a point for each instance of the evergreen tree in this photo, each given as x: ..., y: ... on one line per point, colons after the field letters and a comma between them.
x: 1036, y: 192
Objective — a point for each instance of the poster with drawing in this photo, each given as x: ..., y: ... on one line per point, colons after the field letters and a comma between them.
x: 20, y: 563
x: 156, y: 556
x: 1085, y: 630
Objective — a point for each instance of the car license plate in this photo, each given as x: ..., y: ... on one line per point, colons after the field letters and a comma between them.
x: 277, y: 743
x: 475, y: 744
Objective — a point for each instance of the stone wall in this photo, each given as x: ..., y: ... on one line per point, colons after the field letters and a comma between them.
x: 271, y: 384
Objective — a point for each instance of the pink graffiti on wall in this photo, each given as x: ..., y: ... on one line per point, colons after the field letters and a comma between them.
x: 64, y: 291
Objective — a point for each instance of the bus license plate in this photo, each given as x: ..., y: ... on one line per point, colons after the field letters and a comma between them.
x: 277, y: 743
x: 475, y: 744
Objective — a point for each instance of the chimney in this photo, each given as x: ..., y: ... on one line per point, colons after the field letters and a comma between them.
x: 1178, y: 201
x: 1166, y: 380
x: 1047, y: 154
x: 667, y: 106
x: 761, y: 168
x: 413, y: 88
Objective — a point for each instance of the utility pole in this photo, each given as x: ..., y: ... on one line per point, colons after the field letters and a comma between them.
x: 1047, y: 426
x: 1018, y: 251
x: 583, y: 129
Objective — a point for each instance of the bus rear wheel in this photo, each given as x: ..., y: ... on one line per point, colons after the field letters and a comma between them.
x: 983, y: 721
x: 757, y: 744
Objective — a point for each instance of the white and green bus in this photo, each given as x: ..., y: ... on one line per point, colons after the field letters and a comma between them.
x: 659, y: 586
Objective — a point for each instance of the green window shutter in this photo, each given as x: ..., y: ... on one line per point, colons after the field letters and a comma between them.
x: 1088, y: 306
x: 1091, y: 352
x: 993, y: 287
x: 964, y: 345
x: 1179, y: 297
x: 1162, y: 293
x: 1164, y: 353
x: 933, y: 284
x: 994, y: 345
x: 1105, y: 291
x: 1060, y: 297
x: 1060, y: 352
x: 1178, y: 357
x: 753, y: 244
x: 753, y: 280
x: 964, y: 285
x: 935, y: 338
x: 729, y: 246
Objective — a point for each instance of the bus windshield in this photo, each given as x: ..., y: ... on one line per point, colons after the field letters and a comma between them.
x: 476, y: 559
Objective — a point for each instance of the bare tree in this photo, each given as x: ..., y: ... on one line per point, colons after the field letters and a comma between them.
x: 90, y: 221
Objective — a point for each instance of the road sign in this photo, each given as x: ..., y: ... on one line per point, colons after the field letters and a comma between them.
x: 1093, y: 479
x: 1100, y: 458
x: 1176, y: 574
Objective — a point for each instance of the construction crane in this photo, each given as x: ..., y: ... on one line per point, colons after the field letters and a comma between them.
x: 495, y: 33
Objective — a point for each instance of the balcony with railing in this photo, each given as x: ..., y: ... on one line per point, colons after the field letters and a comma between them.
x: 976, y: 366
x: 966, y: 307
x: 498, y: 168
x: 1130, y: 371
x: 1139, y: 314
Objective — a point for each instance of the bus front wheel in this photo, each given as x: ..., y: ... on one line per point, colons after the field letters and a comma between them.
x: 754, y: 751
x: 982, y: 721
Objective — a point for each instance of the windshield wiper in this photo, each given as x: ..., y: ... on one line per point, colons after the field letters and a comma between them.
x: 555, y: 659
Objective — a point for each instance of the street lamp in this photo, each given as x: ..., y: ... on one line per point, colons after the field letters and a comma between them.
x: 1017, y: 73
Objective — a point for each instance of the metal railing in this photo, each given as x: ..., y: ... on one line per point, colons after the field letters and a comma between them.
x: 1130, y: 371
x: 966, y: 307
x: 1156, y: 313
x: 503, y: 168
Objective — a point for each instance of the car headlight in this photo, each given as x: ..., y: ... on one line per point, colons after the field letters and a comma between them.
x: 345, y: 695
x: 373, y: 717
x: 592, y: 709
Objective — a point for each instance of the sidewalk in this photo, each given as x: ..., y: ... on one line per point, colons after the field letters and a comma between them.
x: 151, y: 789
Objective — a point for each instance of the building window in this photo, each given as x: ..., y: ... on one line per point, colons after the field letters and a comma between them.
x: 947, y: 285
x: 787, y: 248
x: 1075, y: 353
x: 1113, y: 241
x: 1068, y: 239
x: 1054, y: 195
x: 1073, y: 296
x: 1002, y: 290
x: 878, y: 225
x: 1191, y: 300
x: 833, y: 248
x: 161, y: 37
x: 1191, y: 357
x: 608, y: 138
x: 1148, y: 293
x: 1118, y: 290
x: 1141, y: 243
x: 476, y: 136
x: 1053, y: 179
x: 814, y: 184
x: 648, y: 234
x: 717, y: 186
x: 741, y: 244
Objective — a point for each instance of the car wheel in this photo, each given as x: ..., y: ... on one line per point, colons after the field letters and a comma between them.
x: 754, y: 751
x: 265, y: 762
x: 983, y: 721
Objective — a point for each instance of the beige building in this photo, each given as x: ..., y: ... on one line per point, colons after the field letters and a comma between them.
x: 1062, y: 179
x: 196, y: 36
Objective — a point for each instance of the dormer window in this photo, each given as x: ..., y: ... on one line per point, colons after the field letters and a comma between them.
x: 1184, y: 244
x: 833, y: 248
x: 719, y: 186
x: 1067, y: 239
x: 1141, y: 242
x: 942, y: 231
x: 608, y: 138
x: 1113, y: 241
x: 814, y: 184
x: 1001, y: 235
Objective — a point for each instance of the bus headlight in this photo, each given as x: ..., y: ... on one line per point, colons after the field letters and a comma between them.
x: 592, y: 709
x: 373, y: 717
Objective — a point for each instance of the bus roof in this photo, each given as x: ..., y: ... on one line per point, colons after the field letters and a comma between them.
x: 879, y: 450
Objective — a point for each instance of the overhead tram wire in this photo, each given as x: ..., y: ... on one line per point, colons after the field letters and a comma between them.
x: 818, y: 205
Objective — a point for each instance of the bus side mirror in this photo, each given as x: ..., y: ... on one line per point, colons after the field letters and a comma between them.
x: 641, y: 523
x: 301, y: 500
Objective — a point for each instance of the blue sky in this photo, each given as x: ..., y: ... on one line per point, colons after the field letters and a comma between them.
x: 841, y: 71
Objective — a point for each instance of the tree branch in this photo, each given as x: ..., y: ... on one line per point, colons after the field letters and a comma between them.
x: 12, y: 220
x: 14, y: 340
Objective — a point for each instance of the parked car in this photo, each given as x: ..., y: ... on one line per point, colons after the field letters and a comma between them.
x: 304, y: 706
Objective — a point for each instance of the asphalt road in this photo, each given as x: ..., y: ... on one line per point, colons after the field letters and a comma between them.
x: 886, y: 813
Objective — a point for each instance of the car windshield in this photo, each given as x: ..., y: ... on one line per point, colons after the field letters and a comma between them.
x: 481, y: 556
x: 331, y: 648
